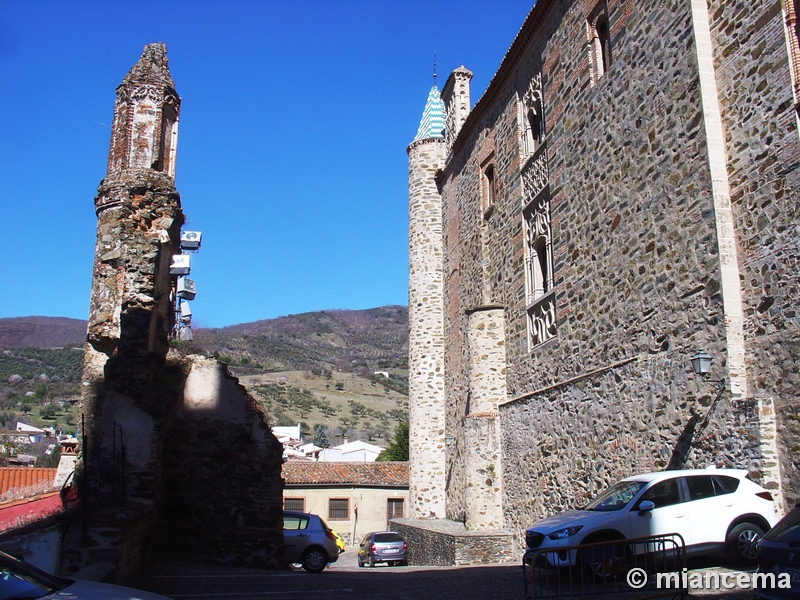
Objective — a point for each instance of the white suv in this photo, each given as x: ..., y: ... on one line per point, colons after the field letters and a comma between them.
x: 712, y: 509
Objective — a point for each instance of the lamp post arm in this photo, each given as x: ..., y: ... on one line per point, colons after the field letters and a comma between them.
x: 720, y: 385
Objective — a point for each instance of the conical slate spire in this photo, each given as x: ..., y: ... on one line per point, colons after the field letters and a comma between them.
x: 152, y: 67
x: 432, y: 124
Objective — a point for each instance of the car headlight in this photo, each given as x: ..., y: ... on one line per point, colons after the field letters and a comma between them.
x: 563, y: 534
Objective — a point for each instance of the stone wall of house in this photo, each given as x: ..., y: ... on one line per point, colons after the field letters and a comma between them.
x: 636, y: 265
x: 762, y: 144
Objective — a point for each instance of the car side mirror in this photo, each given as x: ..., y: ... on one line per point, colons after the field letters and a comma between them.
x: 646, y: 506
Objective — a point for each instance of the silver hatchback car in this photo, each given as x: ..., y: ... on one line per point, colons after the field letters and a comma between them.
x: 382, y: 546
x: 309, y: 541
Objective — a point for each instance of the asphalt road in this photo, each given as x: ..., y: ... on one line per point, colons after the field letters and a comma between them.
x: 343, y: 579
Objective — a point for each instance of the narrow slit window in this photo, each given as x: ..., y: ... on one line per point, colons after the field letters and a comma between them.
x: 489, y: 191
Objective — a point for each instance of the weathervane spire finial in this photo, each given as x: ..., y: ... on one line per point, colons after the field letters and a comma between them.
x: 434, y: 67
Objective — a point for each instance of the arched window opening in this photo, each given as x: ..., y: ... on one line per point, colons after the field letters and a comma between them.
x: 535, y: 122
x: 540, y: 266
x: 489, y: 195
x: 604, y: 42
x: 599, y: 41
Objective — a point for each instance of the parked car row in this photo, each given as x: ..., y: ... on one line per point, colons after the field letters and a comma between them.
x: 311, y: 543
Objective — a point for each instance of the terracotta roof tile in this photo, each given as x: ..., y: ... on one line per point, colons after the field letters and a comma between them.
x: 346, y: 473
x: 17, y: 478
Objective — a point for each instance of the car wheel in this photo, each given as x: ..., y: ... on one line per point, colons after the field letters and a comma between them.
x: 743, y: 542
x: 315, y: 560
x: 371, y: 562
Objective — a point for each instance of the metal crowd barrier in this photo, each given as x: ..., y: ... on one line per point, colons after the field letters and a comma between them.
x: 637, y: 568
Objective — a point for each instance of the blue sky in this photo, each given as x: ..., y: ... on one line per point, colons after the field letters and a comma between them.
x: 295, y: 119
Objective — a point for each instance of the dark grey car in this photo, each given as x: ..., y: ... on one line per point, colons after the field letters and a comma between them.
x: 779, y: 557
x: 382, y: 546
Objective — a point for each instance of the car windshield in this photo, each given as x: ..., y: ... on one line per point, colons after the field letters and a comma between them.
x: 616, y: 497
x: 20, y: 580
x: 787, y: 529
x: 388, y: 537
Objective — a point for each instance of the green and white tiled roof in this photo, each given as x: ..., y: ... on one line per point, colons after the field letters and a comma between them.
x: 432, y: 123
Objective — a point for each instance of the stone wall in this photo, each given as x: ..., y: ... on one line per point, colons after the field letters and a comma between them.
x: 221, y: 498
x: 637, y: 274
x: 113, y: 543
x: 567, y: 443
x: 762, y: 144
x: 443, y: 543
x: 130, y: 319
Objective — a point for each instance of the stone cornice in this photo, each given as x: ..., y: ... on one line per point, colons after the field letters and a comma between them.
x: 566, y: 382
x: 418, y: 143
x: 483, y: 307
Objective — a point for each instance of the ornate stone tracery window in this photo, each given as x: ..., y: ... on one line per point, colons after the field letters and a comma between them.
x: 539, y: 253
x: 532, y: 117
x: 539, y: 279
x: 539, y: 271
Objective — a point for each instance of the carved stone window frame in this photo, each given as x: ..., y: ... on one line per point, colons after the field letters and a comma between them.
x: 540, y: 305
x: 531, y: 118
x: 538, y: 248
x: 598, y: 29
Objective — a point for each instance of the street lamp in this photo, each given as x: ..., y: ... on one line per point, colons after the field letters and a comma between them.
x: 701, y: 363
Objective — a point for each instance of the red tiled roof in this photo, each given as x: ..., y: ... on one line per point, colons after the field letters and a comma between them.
x: 14, y: 478
x: 393, y: 474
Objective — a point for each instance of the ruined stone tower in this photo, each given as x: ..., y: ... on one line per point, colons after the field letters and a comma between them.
x: 426, y: 156
x: 175, y: 440
x: 131, y: 309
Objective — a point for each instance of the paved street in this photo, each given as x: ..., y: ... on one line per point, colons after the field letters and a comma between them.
x: 344, y: 579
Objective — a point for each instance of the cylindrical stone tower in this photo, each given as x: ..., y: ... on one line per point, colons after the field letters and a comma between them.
x: 427, y: 466
x: 131, y: 309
